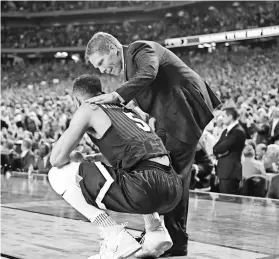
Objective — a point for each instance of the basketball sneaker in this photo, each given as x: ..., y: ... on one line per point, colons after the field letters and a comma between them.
x: 155, y: 242
x: 118, y: 244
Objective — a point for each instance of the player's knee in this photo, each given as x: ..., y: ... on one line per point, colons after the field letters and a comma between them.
x: 54, y: 177
x: 62, y: 178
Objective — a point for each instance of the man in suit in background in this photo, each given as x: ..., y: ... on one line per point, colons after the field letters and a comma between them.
x: 228, y: 151
x: 168, y: 90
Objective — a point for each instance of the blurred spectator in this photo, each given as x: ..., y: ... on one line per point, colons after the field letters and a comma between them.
x: 190, y: 20
x: 219, y: 127
x: 201, y: 169
x: 7, y: 156
x: 252, y: 143
x: 42, y: 164
x: 208, y: 141
x: 274, y: 134
x: 251, y: 166
x: 262, y: 129
x: 228, y: 151
x: 260, y: 151
x: 273, y: 191
x: 271, y: 159
x: 27, y: 156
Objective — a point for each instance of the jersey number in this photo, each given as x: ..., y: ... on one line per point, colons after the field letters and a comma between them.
x: 140, y: 123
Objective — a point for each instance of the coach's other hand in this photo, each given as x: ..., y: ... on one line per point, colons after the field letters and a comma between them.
x: 105, y: 98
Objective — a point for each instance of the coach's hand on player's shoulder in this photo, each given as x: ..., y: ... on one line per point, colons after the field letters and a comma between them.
x: 104, y: 98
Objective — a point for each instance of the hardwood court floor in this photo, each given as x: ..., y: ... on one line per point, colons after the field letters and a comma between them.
x: 37, y: 223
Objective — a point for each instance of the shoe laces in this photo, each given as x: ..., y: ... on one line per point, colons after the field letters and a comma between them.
x: 109, y: 243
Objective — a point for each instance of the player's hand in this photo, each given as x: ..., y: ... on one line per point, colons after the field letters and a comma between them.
x: 104, y: 98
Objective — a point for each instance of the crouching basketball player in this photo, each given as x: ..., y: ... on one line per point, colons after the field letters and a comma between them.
x: 140, y: 180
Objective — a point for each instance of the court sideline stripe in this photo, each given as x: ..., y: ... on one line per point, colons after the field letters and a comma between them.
x: 9, y: 256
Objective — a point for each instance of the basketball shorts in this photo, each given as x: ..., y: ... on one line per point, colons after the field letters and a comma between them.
x: 148, y: 188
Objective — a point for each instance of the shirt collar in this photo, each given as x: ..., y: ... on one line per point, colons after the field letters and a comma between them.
x: 231, y: 126
x: 123, y: 62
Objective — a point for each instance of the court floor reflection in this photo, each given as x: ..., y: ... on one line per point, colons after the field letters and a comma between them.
x: 237, y: 222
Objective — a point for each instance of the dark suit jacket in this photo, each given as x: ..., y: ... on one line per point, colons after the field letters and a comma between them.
x: 167, y: 89
x: 228, y: 151
x: 27, y: 160
x: 276, y: 133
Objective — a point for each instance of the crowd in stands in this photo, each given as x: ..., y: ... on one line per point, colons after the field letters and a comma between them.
x: 179, y: 23
x: 47, y: 6
x: 37, y: 107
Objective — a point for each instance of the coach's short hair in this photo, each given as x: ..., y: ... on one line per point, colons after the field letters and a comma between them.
x: 101, y: 42
x: 87, y: 86
x: 232, y: 111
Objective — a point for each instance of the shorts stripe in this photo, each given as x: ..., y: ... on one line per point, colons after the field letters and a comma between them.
x: 106, y: 186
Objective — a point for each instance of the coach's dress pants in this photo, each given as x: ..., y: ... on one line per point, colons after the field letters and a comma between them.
x: 182, y: 156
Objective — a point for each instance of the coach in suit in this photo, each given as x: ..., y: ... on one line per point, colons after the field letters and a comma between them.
x: 168, y: 90
x: 228, y: 151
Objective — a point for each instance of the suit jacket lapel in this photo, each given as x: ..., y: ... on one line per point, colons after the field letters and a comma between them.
x: 232, y: 128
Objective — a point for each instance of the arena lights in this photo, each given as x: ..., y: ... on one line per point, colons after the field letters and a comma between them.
x: 61, y: 55
x: 207, y: 45
x: 76, y: 57
x: 200, y: 46
x: 227, y: 44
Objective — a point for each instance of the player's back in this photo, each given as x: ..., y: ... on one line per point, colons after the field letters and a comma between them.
x: 128, y: 140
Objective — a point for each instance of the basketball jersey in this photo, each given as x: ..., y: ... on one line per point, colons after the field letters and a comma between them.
x: 128, y: 140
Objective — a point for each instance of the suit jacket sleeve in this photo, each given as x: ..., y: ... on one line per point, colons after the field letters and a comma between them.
x: 147, y: 63
x: 224, y: 145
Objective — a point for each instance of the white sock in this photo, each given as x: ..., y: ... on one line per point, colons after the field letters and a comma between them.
x: 76, y: 199
x: 152, y: 221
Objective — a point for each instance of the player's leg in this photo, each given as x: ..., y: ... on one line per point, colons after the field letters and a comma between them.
x: 157, y: 239
x: 66, y: 182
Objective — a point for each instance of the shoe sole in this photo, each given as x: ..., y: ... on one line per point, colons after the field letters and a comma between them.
x: 129, y: 253
x: 160, y: 249
x: 164, y: 246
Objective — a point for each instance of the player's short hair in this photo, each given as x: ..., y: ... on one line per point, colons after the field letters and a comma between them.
x: 232, y: 111
x: 87, y: 86
x: 100, y: 42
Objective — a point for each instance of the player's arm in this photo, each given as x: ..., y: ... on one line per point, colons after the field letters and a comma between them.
x: 80, y: 122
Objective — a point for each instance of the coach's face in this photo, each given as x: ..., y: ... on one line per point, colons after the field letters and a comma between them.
x: 107, y: 62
